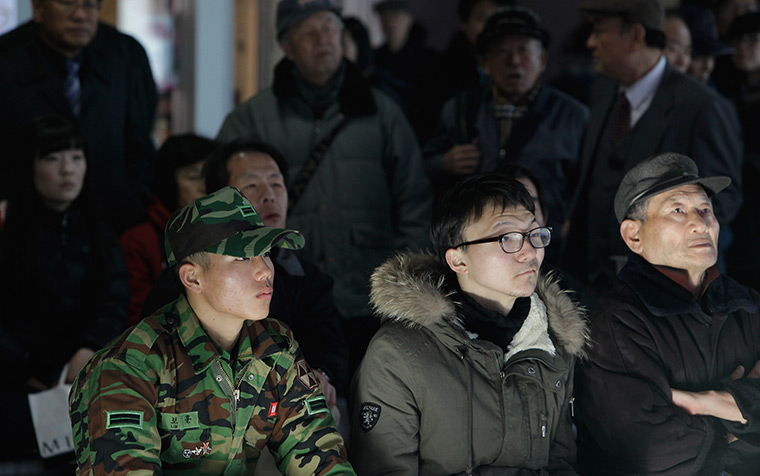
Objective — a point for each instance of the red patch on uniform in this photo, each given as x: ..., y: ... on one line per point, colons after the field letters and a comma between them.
x: 272, y: 409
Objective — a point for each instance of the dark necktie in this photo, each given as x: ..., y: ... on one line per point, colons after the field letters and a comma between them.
x: 72, y: 88
x: 622, y: 119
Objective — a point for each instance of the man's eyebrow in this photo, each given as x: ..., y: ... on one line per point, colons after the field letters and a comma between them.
x: 256, y: 174
x: 508, y: 222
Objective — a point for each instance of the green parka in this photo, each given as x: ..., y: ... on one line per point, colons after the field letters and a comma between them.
x: 433, y: 399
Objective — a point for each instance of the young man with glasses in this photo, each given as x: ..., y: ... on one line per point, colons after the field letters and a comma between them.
x: 472, y: 369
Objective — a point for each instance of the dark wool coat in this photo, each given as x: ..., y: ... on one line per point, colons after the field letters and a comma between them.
x: 119, y: 101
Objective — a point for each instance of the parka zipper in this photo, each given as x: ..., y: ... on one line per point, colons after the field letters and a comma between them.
x: 463, y: 354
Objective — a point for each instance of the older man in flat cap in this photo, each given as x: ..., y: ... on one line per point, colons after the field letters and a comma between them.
x: 671, y: 384
x: 641, y: 106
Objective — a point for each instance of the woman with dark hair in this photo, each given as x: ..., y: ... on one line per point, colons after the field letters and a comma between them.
x: 63, y: 285
x: 178, y: 180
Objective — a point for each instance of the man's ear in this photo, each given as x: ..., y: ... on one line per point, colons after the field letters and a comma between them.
x: 189, y: 274
x: 37, y: 10
x: 455, y: 261
x: 639, y: 35
x: 629, y: 231
x: 287, y: 48
x: 544, y: 59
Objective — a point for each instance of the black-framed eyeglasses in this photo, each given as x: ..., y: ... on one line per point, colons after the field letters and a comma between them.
x: 512, y: 242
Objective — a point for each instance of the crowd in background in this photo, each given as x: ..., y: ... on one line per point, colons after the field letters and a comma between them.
x: 353, y: 153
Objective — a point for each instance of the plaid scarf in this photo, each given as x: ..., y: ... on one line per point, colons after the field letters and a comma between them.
x: 506, y: 113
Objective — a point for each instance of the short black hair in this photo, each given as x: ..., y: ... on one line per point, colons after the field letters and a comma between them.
x: 465, y: 203
x: 516, y: 172
x: 180, y: 150
x: 216, y: 172
x: 465, y: 7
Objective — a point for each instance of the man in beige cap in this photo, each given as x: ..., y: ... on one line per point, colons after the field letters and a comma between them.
x: 641, y: 106
x: 671, y: 383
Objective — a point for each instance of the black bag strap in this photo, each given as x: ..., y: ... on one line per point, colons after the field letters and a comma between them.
x: 316, y: 157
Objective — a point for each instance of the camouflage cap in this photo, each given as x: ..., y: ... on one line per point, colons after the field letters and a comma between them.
x: 224, y: 223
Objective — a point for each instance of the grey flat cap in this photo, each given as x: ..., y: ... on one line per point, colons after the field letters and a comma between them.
x: 649, y: 13
x: 659, y: 174
x: 290, y: 12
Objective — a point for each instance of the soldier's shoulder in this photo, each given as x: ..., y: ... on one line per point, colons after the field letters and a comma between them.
x: 145, y: 339
x: 280, y: 334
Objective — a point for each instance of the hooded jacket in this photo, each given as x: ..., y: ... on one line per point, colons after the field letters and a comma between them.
x: 432, y: 398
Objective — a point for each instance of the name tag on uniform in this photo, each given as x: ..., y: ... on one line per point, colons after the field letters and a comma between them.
x: 179, y: 421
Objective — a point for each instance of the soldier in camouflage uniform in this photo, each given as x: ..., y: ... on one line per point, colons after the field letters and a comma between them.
x: 206, y: 382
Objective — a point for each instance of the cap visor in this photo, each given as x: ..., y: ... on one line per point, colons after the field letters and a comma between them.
x: 252, y: 243
x: 713, y: 185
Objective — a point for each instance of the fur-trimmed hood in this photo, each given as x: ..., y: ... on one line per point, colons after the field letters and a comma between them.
x: 410, y: 288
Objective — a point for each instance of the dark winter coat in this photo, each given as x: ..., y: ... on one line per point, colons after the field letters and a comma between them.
x: 650, y: 335
x: 119, y: 101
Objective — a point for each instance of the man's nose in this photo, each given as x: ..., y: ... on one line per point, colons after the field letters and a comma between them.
x: 267, y: 193
x: 261, y: 268
x: 527, y: 252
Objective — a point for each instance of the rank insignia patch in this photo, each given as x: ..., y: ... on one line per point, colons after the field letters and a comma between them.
x: 124, y: 419
x: 305, y: 375
x: 272, y: 410
x: 370, y: 415
x: 317, y: 405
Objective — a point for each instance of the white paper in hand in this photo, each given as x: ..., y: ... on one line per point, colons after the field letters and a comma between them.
x: 50, y: 415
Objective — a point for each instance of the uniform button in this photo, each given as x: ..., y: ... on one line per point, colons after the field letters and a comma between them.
x: 250, y: 377
x: 502, y: 152
x: 170, y: 320
x: 558, y: 384
x: 502, y: 374
x: 531, y: 370
x: 218, y: 378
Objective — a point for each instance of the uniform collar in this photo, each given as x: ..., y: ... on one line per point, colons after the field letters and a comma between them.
x: 255, y: 340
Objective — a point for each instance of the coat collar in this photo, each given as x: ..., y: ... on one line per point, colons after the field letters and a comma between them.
x: 663, y: 297
x: 355, y: 96
x: 411, y: 289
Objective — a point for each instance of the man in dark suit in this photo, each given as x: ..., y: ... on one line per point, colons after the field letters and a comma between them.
x: 641, y: 106
x: 68, y: 63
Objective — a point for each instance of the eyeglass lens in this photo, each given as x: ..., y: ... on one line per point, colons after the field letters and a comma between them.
x: 513, y: 242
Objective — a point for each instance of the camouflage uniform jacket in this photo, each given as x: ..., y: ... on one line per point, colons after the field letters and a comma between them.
x: 161, y: 400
